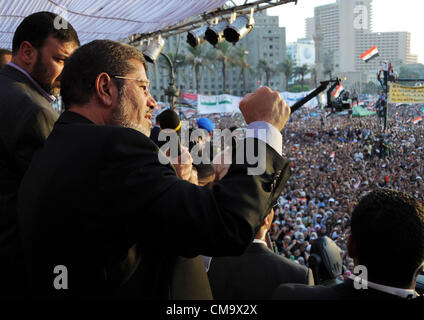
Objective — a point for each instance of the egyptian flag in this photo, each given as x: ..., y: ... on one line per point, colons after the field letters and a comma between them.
x: 338, y: 90
x: 371, y: 53
x: 416, y: 120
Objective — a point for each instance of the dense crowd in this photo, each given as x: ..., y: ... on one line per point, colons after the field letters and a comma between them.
x: 335, y: 161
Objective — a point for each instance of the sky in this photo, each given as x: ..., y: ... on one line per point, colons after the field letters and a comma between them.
x: 388, y: 15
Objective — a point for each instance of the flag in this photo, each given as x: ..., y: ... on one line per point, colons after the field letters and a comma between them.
x: 371, y: 53
x: 416, y: 120
x: 338, y: 90
x: 187, y: 98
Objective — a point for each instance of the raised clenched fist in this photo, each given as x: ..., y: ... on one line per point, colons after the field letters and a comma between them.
x: 265, y: 105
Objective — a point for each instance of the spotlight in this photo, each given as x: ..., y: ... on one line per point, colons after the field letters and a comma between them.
x: 239, y: 28
x: 153, y: 49
x: 196, y: 37
x: 214, y: 33
x: 143, y: 44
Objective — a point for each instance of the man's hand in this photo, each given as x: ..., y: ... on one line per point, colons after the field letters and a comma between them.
x: 183, y: 164
x: 265, y: 105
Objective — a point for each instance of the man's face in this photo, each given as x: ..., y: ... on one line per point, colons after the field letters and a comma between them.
x: 51, y: 58
x: 136, y: 105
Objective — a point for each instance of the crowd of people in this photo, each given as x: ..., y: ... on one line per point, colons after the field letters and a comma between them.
x: 336, y: 162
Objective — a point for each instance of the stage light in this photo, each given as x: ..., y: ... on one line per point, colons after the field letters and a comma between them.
x: 214, y: 33
x: 239, y: 28
x: 153, y: 49
x: 196, y: 37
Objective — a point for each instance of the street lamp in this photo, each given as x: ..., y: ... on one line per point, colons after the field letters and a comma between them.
x: 172, y: 92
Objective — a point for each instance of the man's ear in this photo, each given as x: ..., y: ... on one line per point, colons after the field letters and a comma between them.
x: 27, y: 54
x: 352, y: 248
x: 105, y: 90
x: 268, y: 219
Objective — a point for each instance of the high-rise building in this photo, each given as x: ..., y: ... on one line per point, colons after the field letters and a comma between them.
x: 343, y: 31
x: 266, y: 41
x: 310, y: 28
x: 392, y: 46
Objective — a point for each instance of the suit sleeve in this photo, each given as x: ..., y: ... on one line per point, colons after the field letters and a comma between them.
x: 31, y: 135
x: 192, y: 220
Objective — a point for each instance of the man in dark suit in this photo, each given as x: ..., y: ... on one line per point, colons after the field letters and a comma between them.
x: 92, y: 198
x: 256, y: 273
x: 26, y: 119
x: 381, y: 221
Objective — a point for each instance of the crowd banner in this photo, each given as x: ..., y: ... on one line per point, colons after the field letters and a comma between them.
x: 226, y: 103
x: 405, y: 94
x: 291, y: 98
x: 223, y: 103
x: 359, y: 111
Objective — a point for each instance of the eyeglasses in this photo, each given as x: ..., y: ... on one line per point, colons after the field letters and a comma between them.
x: 143, y: 84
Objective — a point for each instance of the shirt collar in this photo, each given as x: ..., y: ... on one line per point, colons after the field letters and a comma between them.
x: 50, y: 98
x: 400, y: 292
x: 259, y: 241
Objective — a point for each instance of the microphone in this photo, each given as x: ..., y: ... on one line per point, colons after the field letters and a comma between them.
x: 170, y: 121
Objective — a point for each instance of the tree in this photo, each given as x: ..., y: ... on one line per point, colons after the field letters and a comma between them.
x: 198, y: 59
x: 407, y: 72
x: 302, y: 71
x: 240, y: 60
x: 265, y: 67
x: 222, y: 54
x: 287, y: 68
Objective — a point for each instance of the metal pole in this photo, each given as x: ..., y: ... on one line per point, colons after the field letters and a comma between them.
x: 386, y: 89
x: 171, y: 91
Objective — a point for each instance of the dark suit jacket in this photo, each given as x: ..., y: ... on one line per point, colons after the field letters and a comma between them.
x: 253, y: 275
x: 343, y: 291
x: 95, y: 198
x: 26, y: 119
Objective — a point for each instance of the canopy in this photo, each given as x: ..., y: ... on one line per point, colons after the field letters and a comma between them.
x: 103, y: 19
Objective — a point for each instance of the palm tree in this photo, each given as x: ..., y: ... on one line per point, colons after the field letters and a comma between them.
x: 198, y: 59
x: 265, y: 67
x: 302, y: 71
x: 240, y: 60
x: 222, y: 54
x: 286, y: 67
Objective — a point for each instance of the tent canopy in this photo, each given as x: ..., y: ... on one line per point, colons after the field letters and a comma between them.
x: 103, y: 19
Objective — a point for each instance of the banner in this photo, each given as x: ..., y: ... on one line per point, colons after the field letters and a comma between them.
x: 404, y: 94
x: 291, y: 98
x: 359, y: 111
x: 223, y: 103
